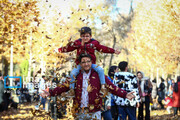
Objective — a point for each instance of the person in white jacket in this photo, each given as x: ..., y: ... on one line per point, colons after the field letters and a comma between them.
x: 126, y: 81
x: 41, y: 88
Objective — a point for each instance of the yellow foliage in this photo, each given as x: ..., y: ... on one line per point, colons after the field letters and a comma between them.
x: 154, y: 40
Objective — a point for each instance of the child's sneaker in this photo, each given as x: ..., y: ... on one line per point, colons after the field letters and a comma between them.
x: 36, y: 107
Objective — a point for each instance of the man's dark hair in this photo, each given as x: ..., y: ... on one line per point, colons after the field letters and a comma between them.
x: 162, y: 80
x: 178, y: 78
x: 154, y: 80
x: 85, y: 30
x: 43, y: 76
x: 122, y: 65
x: 84, y: 55
x: 111, y: 71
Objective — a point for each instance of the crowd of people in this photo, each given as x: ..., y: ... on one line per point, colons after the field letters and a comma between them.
x: 119, y: 95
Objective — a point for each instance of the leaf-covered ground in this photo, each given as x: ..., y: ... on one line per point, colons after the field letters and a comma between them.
x: 25, y: 112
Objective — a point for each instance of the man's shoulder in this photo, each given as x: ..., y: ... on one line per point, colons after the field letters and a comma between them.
x: 125, y: 74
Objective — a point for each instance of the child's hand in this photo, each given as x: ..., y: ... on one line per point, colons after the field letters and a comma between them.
x: 56, y: 50
x: 117, y: 52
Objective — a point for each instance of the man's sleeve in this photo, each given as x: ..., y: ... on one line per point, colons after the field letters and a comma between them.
x: 58, y: 90
x: 102, y: 48
x: 114, y: 89
x: 136, y: 90
x: 71, y: 46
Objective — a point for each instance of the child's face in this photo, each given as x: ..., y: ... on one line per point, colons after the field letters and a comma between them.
x: 85, y: 37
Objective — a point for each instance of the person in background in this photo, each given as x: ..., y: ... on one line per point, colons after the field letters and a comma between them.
x: 41, y: 89
x: 161, y: 93
x: 168, y: 102
x: 176, y: 96
x: 63, y: 79
x: 7, y: 97
x: 171, y: 88
x: 154, y: 94
x: 128, y: 82
x: 169, y: 83
x: 145, y: 89
x: 114, y: 107
x: 1, y: 92
x: 106, y: 113
x: 109, y: 110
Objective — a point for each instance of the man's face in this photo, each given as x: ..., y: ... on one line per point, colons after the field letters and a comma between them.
x: 85, y: 37
x: 86, y: 63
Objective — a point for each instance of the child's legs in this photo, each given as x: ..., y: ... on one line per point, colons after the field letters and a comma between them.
x: 73, y: 74
x: 100, y: 72
x: 169, y: 109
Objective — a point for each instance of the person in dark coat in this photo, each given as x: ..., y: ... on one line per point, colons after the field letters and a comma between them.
x: 1, y: 92
x: 161, y: 93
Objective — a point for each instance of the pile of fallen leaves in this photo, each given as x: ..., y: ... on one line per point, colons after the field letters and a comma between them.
x: 26, y: 112
x: 163, y: 115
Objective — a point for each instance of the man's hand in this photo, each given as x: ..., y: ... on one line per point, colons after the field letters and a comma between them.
x: 138, y: 105
x: 117, y: 52
x: 130, y: 95
x: 108, y: 107
x: 44, y: 94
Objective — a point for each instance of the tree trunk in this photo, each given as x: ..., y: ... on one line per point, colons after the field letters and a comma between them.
x: 114, y: 43
x: 30, y: 59
x: 104, y: 59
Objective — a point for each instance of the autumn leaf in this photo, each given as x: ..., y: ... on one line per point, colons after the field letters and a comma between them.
x: 89, y: 88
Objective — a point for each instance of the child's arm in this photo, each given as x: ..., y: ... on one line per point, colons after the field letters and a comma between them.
x: 166, y: 101
x: 105, y: 49
x: 71, y: 46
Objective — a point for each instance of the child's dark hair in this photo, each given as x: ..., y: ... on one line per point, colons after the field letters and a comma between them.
x: 122, y: 65
x: 84, y: 55
x: 111, y: 71
x: 63, y: 74
x: 85, y: 30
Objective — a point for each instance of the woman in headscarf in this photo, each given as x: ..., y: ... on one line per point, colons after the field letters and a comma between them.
x: 145, y: 89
